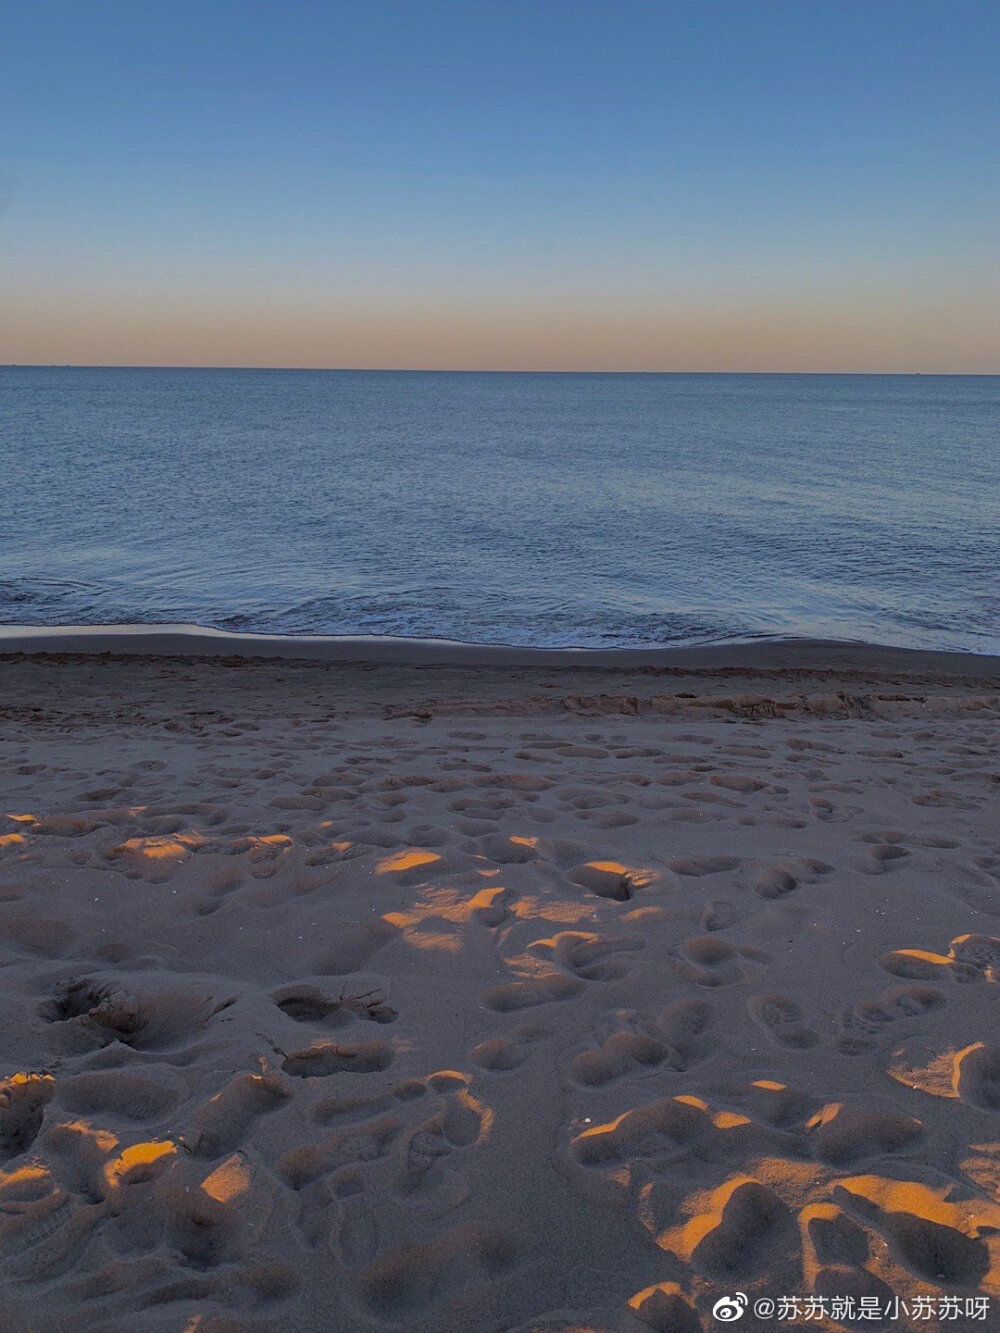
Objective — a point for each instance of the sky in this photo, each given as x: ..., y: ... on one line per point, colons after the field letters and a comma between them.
x: 761, y: 185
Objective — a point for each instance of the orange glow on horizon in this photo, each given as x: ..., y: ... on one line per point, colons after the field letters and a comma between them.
x: 887, y: 332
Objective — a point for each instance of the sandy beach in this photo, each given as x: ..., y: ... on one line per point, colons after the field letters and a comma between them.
x: 496, y: 992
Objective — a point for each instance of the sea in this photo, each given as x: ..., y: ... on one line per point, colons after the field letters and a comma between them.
x: 593, y: 510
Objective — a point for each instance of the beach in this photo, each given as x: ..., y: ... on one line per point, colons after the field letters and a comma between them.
x: 424, y: 987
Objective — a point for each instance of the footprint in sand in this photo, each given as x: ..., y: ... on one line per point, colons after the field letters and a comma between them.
x: 154, y: 858
x: 775, y: 881
x: 36, y: 934
x: 42, y: 1228
x: 677, y: 1041
x: 473, y: 828
x: 734, y: 782
x: 324, y: 1058
x: 665, y: 1308
x: 372, y: 1149
x: 981, y: 951
x: 843, y: 1135
x: 712, y: 798
x: 400, y: 1284
x: 708, y: 960
x: 342, y: 1154
x: 974, y: 885
x: 881, y: 857
x: 308, y: 1004
x: 200, y: 1222
x: 611, y: 879
x: 23, y: 1099
x: 134, y: 1096
x: 531, y: 992
x: 755, y: 1232
x: 781, y: 1018
x: 928, y: 1232
x: 221, y: 1124
x: 616, y: 819
x: 769, y: 1103
x: 500, y: 1054
x: 977, y: 1076
x: 623, y: 1054
x: 823, y: 809
x: 488, y: 810
x: 587, y: 956
x: 697, y: 866
x: 64, y: 826
x: 970, y: 958
x: 658, y: 1134
x: 491, y: 907
x: 718, y: 914
x: 506, y: 850
x: 686, y: 1027
x: 941, y: 798
x: 93, y: 1012
x: 835, y: 1238
x: 861, y: 1025
x: 218, y: 888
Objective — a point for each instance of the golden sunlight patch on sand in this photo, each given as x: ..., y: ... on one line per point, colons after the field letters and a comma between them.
x: 228, y: 1182
x: 410, y: 859
x: 139, y: 1162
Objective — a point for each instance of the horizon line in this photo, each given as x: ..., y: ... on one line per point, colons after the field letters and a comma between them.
x: 487, y: 370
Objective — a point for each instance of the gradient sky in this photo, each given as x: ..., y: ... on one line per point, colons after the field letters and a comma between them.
x: 537, y: 184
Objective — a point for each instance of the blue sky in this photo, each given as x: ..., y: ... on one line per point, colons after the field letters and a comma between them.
x: 747, y: 185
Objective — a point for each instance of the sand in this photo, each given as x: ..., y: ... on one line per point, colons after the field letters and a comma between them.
x: 496, y: 993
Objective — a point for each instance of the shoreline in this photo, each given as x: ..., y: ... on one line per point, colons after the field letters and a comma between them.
x: 834, y: 656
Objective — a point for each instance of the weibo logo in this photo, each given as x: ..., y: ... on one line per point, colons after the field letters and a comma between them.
x: 730, y: 1308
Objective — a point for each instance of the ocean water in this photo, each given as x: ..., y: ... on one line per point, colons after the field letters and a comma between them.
x: 546, y: 509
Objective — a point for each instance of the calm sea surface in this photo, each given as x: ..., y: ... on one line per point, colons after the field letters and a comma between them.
x: 528, y: 509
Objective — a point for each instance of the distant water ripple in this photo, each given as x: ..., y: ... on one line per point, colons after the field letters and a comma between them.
x: 525, y: 509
